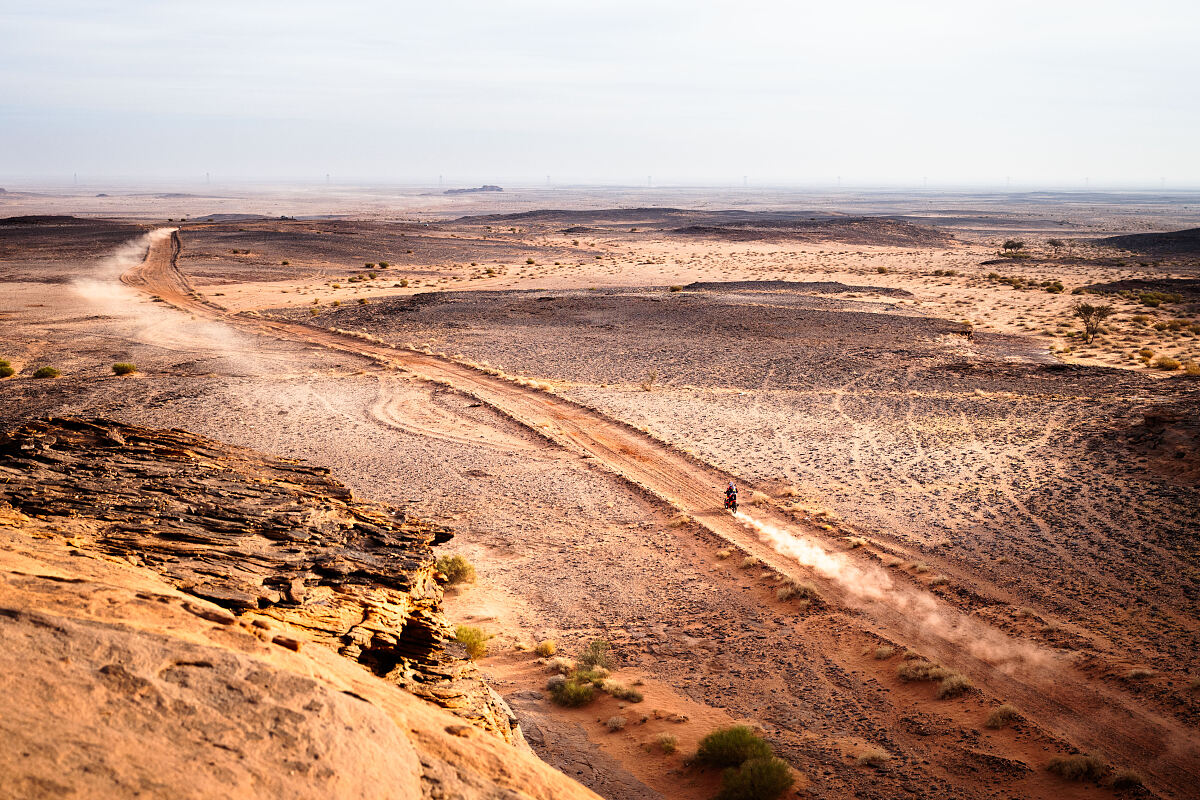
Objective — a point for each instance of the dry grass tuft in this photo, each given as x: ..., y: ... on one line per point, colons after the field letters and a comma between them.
x: 666, y: 743
x: 560, y: 664
x: 953, y: 685
x: 1078, y: 767
x: 615, y: 724
x: 1139, y: 674
x: 749, y: 562
x: 856, y: 542
x: 724, y: 554
x: 872, y: 757
x: 884, y: 652
x: 546, y: 648
x: 1002, y: 716
x: 1127, y: 779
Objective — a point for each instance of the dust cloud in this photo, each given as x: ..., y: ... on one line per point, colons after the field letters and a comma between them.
x: 865, y: 583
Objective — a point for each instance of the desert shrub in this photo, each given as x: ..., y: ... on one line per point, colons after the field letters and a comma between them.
x: 666, y: 742
x: 651, y: 377
x: 1166, y: 363
x: 757, y: 498
x: 1189, y: 368
x: 1092, y: 317
x: 872, y: 757
x: 46, y: 372
x: 473, y: 639
x: 622, y: 692
x: 362, y: 301
x: 1127, y: 779
x: 572, y: 693
x: 882, y: 270
x: 1078, y: 767
x: 384, y: 265
x: 885, y: 652
x: 596, y: 654
x: 940, y: 580
x: 723, y: 554
x: 285, y: 262
x: 6, y: 370
x: 856, y: 542
x: 1001, y: 716
x: 1139, y: 674
x: 593, y: 675
x: 792, y: 589
x: 749, y: 561
x: 918, y: 669
x: 123, y: 368
x: 921, y: 568
x: 953, y: 685
x: 560, y: 664
x: 456, y: 569
x: 616, y: 723
x: 731, y: 747
x: 546, y: 648
x: 529, y: 261
x: 756, y: 779
x: 676, y: 288
x: 369, y: 264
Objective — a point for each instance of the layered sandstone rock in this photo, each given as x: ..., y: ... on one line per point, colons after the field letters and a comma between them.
x: 187, y: 619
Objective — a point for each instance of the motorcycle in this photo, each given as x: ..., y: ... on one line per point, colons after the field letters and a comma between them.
x: 731, y: 502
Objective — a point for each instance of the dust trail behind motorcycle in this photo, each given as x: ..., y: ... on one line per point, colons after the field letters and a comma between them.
x: 866, y: 584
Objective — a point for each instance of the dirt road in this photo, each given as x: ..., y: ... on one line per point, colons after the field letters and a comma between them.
x: 1050, y: 692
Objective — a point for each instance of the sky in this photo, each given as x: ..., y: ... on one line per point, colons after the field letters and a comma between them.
x: 1053, y: 93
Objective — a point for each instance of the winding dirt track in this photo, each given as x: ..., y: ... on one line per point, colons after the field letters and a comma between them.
x: 1051, y: 693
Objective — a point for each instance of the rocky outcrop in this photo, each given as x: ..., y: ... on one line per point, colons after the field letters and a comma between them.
x: 240, y: 614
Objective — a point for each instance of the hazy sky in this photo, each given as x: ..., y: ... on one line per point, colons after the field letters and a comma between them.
x: 1046, y: 92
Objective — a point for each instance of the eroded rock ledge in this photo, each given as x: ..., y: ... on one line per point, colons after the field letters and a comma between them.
x: 272, y: 548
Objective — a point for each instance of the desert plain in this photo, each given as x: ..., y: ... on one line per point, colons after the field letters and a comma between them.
x: 967, y: 549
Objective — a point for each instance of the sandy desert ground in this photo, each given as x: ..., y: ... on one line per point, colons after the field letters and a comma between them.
x: 936, y: 464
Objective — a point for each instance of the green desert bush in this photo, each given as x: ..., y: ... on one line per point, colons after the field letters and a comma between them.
x: 546, y: 648
x: 756, y: 779
x: 6, y: 370
x: 571, y: 693
x: 731, y: 747
x: 456, y: 569
x: 1002, y: 716
x: 46, y: 372
x: 473, y: 639
x: 1078, y: 767
x: 123, y: 368
x: 597, y: 654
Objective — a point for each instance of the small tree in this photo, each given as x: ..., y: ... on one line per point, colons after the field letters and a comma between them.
x: 1091, y: 316
x: 1013, y: 245
x: 1056, y: 244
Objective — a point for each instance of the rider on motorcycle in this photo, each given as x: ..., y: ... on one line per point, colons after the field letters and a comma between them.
x: 731, y: 496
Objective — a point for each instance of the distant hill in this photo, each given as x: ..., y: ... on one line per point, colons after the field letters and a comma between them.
x: 487, y: 187
x: 1185, y: 242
